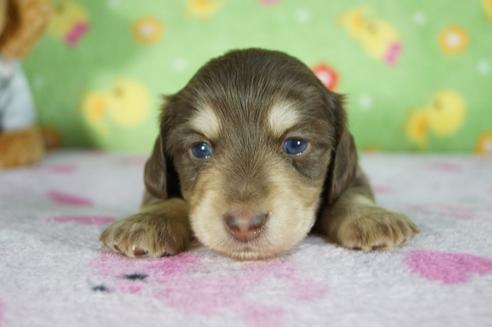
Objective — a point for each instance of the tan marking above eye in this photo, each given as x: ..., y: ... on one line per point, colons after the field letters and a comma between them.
x: 282, y: 116
x: 206, y: 122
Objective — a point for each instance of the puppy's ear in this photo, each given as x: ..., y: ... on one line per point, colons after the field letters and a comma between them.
x: 343, y: 165
x: 155, y: 171
x: 160, y: 177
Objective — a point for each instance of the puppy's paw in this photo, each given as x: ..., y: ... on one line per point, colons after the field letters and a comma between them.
x: 372, y: 228
x: 152, y: 233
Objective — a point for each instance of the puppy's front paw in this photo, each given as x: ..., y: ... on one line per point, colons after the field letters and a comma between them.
x: 373, y: 228
x: 152, y: 233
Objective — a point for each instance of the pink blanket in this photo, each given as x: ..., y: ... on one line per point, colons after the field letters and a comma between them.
x: 54, y: 272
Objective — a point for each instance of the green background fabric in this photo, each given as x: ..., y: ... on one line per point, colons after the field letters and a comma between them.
x: 417, y: 73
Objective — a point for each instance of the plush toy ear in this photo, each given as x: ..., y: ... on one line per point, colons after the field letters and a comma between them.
x: 343, y: 165
x: 160, y: 177
x: 24, y: 22
x: 9, y: 22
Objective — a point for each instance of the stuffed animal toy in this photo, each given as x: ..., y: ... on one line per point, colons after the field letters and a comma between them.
x: 21, y: 24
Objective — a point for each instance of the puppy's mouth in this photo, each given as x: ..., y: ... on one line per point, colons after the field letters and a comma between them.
x: 255, y: 248
x: 246, y: 251
x: 260, y: 247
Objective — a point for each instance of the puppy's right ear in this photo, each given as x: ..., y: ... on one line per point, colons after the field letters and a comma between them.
x: 160, y: 177
x: 155, y: 171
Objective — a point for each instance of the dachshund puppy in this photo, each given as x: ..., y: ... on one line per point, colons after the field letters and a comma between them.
x: 253, y: 154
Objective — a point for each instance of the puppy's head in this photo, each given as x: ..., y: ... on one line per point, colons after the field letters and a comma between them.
x: 255, y: 143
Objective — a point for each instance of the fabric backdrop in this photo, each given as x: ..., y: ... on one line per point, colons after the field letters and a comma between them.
x: 418, y: 74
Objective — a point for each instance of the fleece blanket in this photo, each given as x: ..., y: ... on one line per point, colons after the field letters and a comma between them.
x: 53, y: 270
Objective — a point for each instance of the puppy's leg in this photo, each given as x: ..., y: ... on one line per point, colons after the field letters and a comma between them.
x: 355, y: 221
x: 162, y: 227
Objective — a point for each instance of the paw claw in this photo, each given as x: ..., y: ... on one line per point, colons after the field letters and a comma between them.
x: 138, y: 252
x: 378, y: 247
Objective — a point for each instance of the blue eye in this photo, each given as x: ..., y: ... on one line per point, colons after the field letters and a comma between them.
x: 294, y: 146
x: 201, y: 150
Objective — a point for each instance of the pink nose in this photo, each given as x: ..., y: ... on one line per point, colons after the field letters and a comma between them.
x: 245, y: 227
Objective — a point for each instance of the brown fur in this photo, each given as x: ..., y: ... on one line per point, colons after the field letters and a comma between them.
x: 21, y: 147
x: 248, y: 172
x: 25, y: 21
x: 158, y: 229
x: 356, y: 222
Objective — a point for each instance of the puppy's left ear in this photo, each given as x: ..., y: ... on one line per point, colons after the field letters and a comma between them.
x: 343, y: 165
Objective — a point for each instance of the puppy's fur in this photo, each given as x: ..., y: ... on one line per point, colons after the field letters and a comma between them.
x: 245, y: 104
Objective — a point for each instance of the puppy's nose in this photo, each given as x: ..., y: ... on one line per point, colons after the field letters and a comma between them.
x: 245, y: 227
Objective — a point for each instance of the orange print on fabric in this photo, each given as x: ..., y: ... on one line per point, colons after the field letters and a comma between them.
x: 453, y: 40
x: 484, y: 144
x: 148, y: 30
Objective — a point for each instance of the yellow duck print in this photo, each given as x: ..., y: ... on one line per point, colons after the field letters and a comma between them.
x: 487, y: 5
x: 126, y: 105
x: 444, y: 115
x: 377, y: 36
x: 202, y: 8
x: 69, y: 22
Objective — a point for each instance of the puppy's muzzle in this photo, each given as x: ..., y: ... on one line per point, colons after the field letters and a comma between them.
x: 245, y: 227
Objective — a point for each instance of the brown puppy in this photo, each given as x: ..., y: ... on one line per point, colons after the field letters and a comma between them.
x: 253, y: 154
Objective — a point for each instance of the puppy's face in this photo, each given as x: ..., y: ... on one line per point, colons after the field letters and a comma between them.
x: 250, y: 139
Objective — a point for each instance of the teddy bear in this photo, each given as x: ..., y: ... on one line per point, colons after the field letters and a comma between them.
x: 22, y: 22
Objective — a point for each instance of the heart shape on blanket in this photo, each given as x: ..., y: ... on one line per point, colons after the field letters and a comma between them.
x: 449, y: 268
x: 64, y: 198
x: 82, y: 219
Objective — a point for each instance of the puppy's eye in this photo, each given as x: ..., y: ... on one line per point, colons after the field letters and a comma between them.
x: 294, y: 146
x: 201, y: 150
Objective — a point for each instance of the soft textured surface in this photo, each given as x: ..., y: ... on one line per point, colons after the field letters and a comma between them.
x: 421, y: 70
x: 53, y: 271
